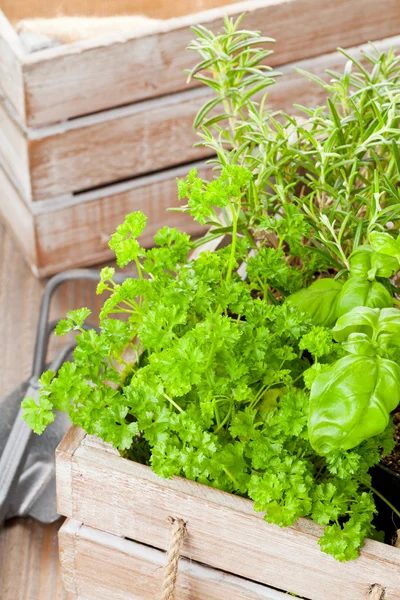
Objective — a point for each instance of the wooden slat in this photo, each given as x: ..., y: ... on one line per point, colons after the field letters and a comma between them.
x: 75, y: 232
x: 97, y: 565
x: 106, y: 148
x: 78, y: 235
x: 151, y: 135
x: 14, y: 152
x: 90, y: 76
x: 11, y: 56
x: 128, y: 499
x: 29, y: 568
x: 19, y: 220
x: 158, y: 9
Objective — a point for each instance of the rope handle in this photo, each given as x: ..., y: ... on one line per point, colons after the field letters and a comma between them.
x: 174, y: 551
x: 376, y: 591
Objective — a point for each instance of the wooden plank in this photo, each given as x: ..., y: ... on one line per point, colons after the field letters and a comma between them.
x: 72, y: 232
x: 115, y: 145
x: 29, y: 567
x: 91, y: 76
x: 97, y: 565
x: 151, y: 135
x: 18, y: 219
x: 78, y: 234
x: 14, y: 152
x: 11, y: 56
x: 158, y: 9
x: 125, y: 498
x: 73, y: 438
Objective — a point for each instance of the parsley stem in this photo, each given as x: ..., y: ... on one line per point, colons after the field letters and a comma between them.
x: 228, y: 414
x: 139, y: 268
x: 173, y: 402
x: 233, y: 247
x: 231, y: 477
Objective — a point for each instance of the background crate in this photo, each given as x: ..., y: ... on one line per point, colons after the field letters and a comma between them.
x: 94, y: 129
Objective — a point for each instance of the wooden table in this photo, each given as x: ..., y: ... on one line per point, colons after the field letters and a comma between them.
x: 28, y: 550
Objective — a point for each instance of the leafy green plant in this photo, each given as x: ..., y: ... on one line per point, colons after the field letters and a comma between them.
x: 277, y: 384
x: 324, y: 179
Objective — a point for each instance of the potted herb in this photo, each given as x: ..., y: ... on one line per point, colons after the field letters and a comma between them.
x: 268, y: 368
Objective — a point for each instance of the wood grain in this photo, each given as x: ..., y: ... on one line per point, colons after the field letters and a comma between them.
x: 19, y: 220
x: 90, y: 76
x: 14, y: 152
x: 11, y: 56
x: 29, y: 568
x: 159, y: 9
x: 115, y: 145
x: 151, y: 135
x: 65, y: 233
x: 128, y: 499
x: 97, y: 565
x: 78, y: 234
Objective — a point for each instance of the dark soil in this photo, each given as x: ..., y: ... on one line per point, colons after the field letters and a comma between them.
x: 392, y: 461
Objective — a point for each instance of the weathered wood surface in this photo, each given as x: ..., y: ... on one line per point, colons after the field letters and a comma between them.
x: 140, y: 138
x: 97, y: 565
x: 29, y: 568
x: 115, y: 145
x: 18, y: 219
x: 102, y: 490
x: 158, y: 9
x: 89, y: 76
x: 71, y: 232
x: 78, y: 234
x: 11, y: 56
x: 14, y: 152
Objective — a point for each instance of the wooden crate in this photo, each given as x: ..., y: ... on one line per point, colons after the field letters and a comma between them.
x: 94, y: 129
x: 120, y: 510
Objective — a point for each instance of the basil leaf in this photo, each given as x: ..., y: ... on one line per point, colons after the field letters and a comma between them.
x: 367, y: 263
x: 388, y: 335
x: 318, y: 300
x: 360, y: 292
x: 385, y: 243
x: 351, y: 401
x: 361, y: 320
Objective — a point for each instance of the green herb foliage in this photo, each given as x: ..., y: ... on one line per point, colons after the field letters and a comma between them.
x: 277, y: 384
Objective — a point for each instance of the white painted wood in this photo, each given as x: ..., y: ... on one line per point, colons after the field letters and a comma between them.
x: 130, y: 141
x: 91, y: 76
x: 78, y: 235
x: 35, y: 41
x: 14, y: 151
x: 144, y: 138
x: 74, y: 231
x: 161, y: 9
x: 98, y: 565
x: 11, y: 56
x: 16, y: 216
x: 125, y: 498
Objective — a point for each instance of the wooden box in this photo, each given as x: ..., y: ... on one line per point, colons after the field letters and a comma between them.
x: 112, y: 545
x: 94, y: 129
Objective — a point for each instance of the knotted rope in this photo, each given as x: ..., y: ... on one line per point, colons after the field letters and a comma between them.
x: 174, y: 550
x: 376, y: 592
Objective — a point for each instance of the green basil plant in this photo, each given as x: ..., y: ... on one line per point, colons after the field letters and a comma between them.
x: 351, y: 399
